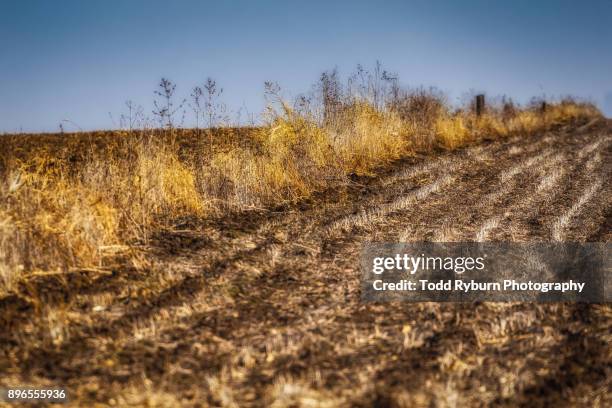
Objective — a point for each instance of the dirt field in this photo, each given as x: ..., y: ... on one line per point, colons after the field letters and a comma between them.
x: 264, y: 309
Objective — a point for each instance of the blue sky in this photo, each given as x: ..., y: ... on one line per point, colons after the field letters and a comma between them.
x: 80, y: 60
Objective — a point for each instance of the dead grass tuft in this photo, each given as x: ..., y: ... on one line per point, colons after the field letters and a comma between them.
x: 365, y: 138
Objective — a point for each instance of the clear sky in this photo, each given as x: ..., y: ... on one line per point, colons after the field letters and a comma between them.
x: 80, y: 60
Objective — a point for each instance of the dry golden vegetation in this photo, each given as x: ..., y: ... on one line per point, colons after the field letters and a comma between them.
x: 219, y: 267
x: 80, y: 201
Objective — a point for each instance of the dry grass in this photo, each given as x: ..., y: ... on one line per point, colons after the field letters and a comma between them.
x: 562, y: 222
x: 61, y: 211
x: 52, y: 224
x: 364, y: 138
x: 67, y: 201
x: 292, y: 157
x: 454, y: 130
x: 262, y: 308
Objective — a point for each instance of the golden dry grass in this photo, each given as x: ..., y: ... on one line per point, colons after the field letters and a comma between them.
x: 365, y: 138
x: 262, y: 308
x: 455, y: 130
x: 69, y: 201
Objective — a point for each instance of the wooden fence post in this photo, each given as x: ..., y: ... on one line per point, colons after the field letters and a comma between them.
x: 480, y: 104
x: 543, y: 107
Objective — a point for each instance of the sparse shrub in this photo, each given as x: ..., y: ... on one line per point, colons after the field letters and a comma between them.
x: 165, y: 106
x: 133, y: 118
x: 214, y: 108
x: 420, y: 109
x: 331, y: 95
x: 196, y: 104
